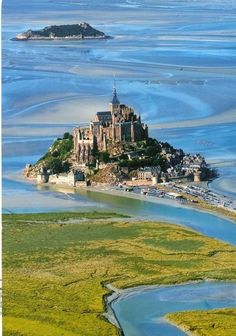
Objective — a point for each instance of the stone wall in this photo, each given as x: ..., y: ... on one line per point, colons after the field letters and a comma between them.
x: 139, y: 183
x: 52, y: 179
x: 81, y: 184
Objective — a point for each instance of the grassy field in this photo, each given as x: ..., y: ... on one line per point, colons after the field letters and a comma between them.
x: 56, y: 266
x: 220, y: 322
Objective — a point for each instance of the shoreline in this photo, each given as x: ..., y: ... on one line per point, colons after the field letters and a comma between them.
x: 157, y: 200
x: 108, y: 190
x: 180, y: 327
x: 69, y: 38
x: 119, y: 294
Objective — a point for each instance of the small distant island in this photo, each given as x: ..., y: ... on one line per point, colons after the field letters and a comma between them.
x: 62, y: 32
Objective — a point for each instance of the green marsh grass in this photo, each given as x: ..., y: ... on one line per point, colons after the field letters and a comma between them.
x: 55, y: 267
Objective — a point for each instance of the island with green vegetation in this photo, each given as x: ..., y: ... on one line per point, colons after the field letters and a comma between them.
x: 62, y: 32
x: 116, y: 146
x: 60, y: 158
x: 115, y: 149
x: 56, y: 268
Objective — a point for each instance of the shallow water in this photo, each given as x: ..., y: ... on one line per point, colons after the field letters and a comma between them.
x: 167, y: 66
x: 226, y: 183
x: 206, y: 223
x: 141, y: 312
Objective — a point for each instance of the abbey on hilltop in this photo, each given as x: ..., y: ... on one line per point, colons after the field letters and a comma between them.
x: 119, y: 124
x: 115, y: 147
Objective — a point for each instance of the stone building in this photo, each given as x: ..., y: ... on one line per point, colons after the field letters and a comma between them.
x: 43, y: 175
x: 72, y: 178
x: 147, y: 173
x: 119, y: 124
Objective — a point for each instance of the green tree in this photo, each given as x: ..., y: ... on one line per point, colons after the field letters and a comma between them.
x: 104, y: 157
x: 67, y: 135
x: 57, y: 166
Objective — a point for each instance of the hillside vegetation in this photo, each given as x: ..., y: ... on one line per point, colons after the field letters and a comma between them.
x: 69, y: 30
x: 149, y: 153
x: 58, y: 157
x: 72, y: 31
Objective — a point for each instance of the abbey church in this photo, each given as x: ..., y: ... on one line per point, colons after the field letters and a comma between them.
x: 119, y: 124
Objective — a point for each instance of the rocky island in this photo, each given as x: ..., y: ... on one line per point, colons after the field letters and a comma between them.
x: 114, y: 148
x: 62, y: 32
x: 116, y: 151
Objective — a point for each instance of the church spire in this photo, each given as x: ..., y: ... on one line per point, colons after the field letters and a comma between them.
x: 115, y: 100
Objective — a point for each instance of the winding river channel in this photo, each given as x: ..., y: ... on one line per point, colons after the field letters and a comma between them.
x: 141, y: 312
